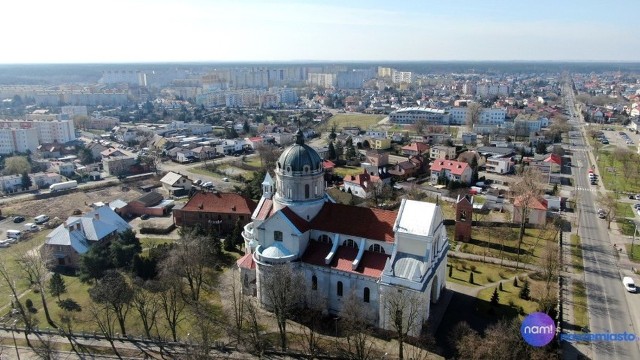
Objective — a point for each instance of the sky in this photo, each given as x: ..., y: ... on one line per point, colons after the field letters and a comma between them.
x: 122, y: 31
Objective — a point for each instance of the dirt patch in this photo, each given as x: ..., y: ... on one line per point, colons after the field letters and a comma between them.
x: 63, y: 206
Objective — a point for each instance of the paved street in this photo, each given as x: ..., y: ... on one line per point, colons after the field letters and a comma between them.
x: 611, y: 308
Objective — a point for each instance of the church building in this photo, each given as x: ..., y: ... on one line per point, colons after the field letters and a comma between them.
x: 341, y: 249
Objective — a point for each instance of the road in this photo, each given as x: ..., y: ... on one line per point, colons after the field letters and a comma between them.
x: 611, y: 308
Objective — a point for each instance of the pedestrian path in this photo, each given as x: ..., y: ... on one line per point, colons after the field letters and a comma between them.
x: 591, y: 189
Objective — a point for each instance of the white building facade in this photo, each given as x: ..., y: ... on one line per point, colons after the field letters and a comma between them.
x: 342, y: 249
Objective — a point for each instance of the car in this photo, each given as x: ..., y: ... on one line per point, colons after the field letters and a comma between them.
x: 225, y: 179
x: 636, y: 206
x: 629, y: 284
x: 197, y: 182
x: 207, y: 184
x: 4, y: 243
x: 144, y: 216
x: 632, y: 197
x: 637, y: 196
x: 18, y: 219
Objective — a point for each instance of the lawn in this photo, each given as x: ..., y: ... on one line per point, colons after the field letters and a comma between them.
x: 502, y: 242
x: 627, y: 226
x: 343, y: 171
x: 613, y: 174
x: 9, y: 257
x: 624, y: 210
x: 363, y: 121
x: 634, y: 253
x: 483, y: 273
x: 580, y: 316
x: 576, y: 253
x: 510, y: 296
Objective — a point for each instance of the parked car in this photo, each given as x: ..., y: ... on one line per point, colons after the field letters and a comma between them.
x: 41, y: 219
x: 18, y: 219
x: 144, y: 216
x: 207, y: 184
x: 629, y: 284
x: 4, y: 243
x: 636, y: 206
x: 637, y: 196
x: 31, y: 227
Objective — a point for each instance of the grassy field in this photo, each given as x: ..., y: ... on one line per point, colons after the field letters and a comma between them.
x: 510, y: 296
x: 580, y: 316
x: 634, y: 253
x: 503, y: 243
x: 484, y: 273
x: 343, y: 171
x: 624, y: 210
x: 612, y: 173
x: 627, y: 226
x: 364, y: 121
x: 576, y: 253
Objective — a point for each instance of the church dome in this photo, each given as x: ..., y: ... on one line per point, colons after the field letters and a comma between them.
x: 276, y: 251
x: 299, y: 158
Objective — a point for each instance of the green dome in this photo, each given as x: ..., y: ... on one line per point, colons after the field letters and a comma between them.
x: 299, y: 156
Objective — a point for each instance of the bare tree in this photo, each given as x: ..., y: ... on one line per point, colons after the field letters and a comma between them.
x: 403, y: 309
x: 282, y: 290
x: 189, y: 260
x: 146, y: 303
x: 359, y: 344
x: 114, y: 292
x: 254, y: 336
x: 474, y: 110
x: 378, y: 192
x: 105, y: 318
x: 419, y: 126
x: 550, y: 263
x: 608, y: 203
x: 35, y: 265
x: 527, y: 189
x: 237, y: 305
x: 268, y: 155
x: 204, y: 331
x: 172, y: 303
x: 28, y: 321
x: 311, y: 321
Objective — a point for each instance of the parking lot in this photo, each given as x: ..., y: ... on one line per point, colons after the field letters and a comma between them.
x: 8, y: 224
x: 615, y: 138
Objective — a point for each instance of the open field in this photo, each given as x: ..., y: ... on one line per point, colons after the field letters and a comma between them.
x: 343, y: 171
x: 618, y: 176
x: 364, y: 121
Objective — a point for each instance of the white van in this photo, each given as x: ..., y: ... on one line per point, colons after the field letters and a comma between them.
x: 14, y: 234
x: 41, y: 219
x: 31, y: 227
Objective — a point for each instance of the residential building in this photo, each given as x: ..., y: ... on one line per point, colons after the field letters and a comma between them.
x: 380, y: 144
x: 370, y: 252
x: 400, y: 76
x: 487, y: 116
x: 176, y: 183
x: 48, y: 132
x: 118, y: 166
x: 499, y: 165
x: 151, y: 203
x: 451, y: 170
x: 442, y: 152
x: 415, y: 148
x: 360, y: 185
x: 216, y: 210
x: 411, y: 115
x: 325, y: 80
x: 18, y: 140
x: 535, y: 210
x: 44, y: 180
x: 69, y: 241
x: 10, y: 184
x: 555, y: 163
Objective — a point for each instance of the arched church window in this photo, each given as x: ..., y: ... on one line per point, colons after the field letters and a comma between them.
x: 339, y: 290
x: 246, y: 281
x: 306, y: 191
x: 366, y: 294
x: 324, y: 238
x: 376, y: 248
x: 350, y: 243
x: 314, y: 283
x: 277, y: 235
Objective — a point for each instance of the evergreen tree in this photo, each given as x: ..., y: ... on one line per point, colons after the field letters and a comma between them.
x: 332, y: 134
x: 450, y: 271
x: 500, y: 286
x: 236, y: 235
x: 332, y: 151
x: 57, y: 286
x: 524, y: 292
x: 471, y: 278
x: 245, y: 127
x: 495, y: 298
x: 515, y: 282
x: 26, y: 181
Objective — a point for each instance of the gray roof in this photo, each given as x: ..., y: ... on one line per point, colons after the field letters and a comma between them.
x: 495, y: 150
x: 407, y: 265
x: 117, y: 204
x: 94, y: 226
x: 171, y: 178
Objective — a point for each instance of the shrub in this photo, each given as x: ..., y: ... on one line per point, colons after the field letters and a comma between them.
x: 489, y: 279
x: 473, y: 268
x: 470, y: 278
x: 28, y: 303
x: 524, y: 292
x: 511, y: 303
x: 502, y: 275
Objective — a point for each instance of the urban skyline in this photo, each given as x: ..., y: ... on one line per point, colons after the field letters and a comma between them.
x: 71, y: 31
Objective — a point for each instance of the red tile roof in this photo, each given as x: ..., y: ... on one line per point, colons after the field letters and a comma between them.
x: 357, y: 221
x: 455, y: 167
x: 265, y: 210
x: 328, y: 164
x: 221, y: 203
x: 554, y: 158
x: 416, y: 146
x: 360, y: 179
x: 371, y: 263
x: 246, y: 262
x: 538, y: 204
x: 301, y: 224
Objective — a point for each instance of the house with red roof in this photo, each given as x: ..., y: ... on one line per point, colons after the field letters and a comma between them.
x: 534, y: 209
x: 342, y: 249
x: 415, y: 148
x: 554, y: 162
x: 216, y: 210
x: 451, y: 170
x: 361, y: 184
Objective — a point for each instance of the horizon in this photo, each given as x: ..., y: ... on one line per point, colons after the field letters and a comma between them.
x: 199, y: 31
